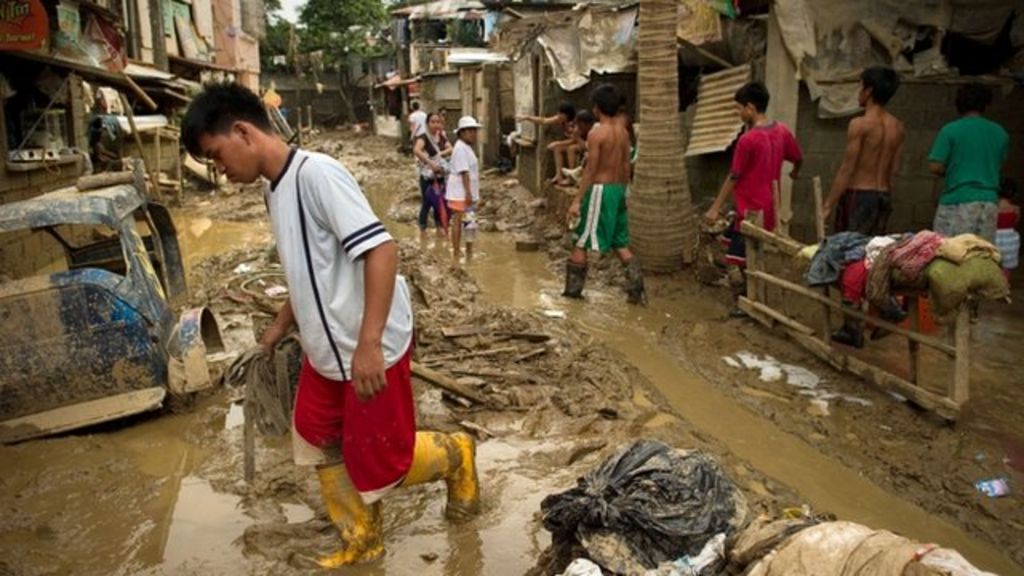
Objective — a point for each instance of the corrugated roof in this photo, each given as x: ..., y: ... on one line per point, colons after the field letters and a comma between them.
x: 716, y: 123
x: 442, y: 10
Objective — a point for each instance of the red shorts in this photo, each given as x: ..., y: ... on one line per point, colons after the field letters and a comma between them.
x: 854, y: 282
x: 376, y: 437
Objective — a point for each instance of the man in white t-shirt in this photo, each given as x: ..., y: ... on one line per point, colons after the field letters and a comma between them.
x: 463, y: 189
x: 417, y: 121
x: 355, y: 417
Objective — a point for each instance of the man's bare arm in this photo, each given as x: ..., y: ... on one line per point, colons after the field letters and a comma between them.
x: 467, y: 186
x: 380, y: 268
x: 897, y: 162
x: 593, y: 161
x: 278, y: 329
x: 541, y: 120
x: 937, y: 169
x: 854, y: 141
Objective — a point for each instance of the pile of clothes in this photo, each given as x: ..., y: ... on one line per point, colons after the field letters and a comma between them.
x: 953, y: 270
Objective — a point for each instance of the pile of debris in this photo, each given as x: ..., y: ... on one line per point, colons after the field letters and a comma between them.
x: 505, y: 359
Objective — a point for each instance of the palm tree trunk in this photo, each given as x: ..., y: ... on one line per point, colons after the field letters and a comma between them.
x: 662, y: 217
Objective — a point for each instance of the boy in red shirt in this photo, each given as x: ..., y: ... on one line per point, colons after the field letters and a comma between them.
x: 756, y: 164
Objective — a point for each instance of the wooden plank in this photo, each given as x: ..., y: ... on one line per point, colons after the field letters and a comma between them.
x: 447, y: 384
x: 460, y: 331
x: 79, y: 415
x: 104, y: 180
x: 787, y: 246
x: 531, y: 354
x: 819, y: 204
x: 476, y: 354
x: 960, y: 388
x: 914, y: 347
x: 807, y: 292
x: 751, y: 307
x: 941, y: 405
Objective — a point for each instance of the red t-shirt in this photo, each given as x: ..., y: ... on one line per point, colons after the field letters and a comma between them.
x: 756, y: 163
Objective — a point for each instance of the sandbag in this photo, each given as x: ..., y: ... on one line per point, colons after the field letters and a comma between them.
x: 645, y: 505
x: 849, y: 549
x: 950, y: 285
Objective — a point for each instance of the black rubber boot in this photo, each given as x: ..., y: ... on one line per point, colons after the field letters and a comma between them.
x: 635, y: 292
x: 575, y: 278
x: 849, y: 334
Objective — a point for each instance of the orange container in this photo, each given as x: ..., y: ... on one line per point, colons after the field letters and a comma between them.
x: 925, y: 320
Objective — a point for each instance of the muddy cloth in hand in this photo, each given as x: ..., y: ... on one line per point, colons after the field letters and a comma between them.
x: 835, y: 252
x: 912, y: 256
x: 950, y: 284
x: 645, y: 505
x: 960, y: 248
x: 848, y: 549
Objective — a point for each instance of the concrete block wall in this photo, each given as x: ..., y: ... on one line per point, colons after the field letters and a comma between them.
x: 924, y: 109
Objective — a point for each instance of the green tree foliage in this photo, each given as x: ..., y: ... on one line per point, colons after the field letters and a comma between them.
x: 275, y: 42
x: 338, y: 27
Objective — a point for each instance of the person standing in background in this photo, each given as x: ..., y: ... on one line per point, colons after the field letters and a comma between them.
x: 969, y: 154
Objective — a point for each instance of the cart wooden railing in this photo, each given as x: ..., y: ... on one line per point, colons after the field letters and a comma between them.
x: 955, y: 345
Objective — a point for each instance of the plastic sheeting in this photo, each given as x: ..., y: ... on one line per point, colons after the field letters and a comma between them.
x: 603, y: 41
x: 646, y: 505
x: 831, y: 41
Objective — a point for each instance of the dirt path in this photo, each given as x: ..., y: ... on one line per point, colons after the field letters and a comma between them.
x: 164, y: 495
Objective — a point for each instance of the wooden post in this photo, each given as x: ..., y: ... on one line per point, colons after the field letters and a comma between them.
x: 959, y: 388
x: 135, y: 133
x: 819, y: 203
x: 756, y: 290
x: 298, y: 126
x: 915, y: 347
x: 156, y: 185
x: 819, y: 228
x: 309, y: 117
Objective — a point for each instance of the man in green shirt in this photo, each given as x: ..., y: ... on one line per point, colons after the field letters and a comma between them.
x: 969, y: 153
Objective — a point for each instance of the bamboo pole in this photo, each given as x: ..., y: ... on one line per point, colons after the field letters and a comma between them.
x: 788, y: 246
x: 959, y: 389
x: 828, y: 302
x: 819, y: 228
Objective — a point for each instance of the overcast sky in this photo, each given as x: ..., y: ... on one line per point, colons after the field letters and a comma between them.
x: 290, y: 9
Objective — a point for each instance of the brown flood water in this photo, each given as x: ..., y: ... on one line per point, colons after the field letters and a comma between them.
x: 140, y: 506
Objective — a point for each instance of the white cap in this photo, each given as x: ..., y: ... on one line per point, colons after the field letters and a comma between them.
x: 467, y: 122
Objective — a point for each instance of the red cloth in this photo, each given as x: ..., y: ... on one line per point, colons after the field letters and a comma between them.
x: 756, y: 163
x: 854, y: 281
x: 913, y: 256
x: 1007, y: 220
x: 376, y: 437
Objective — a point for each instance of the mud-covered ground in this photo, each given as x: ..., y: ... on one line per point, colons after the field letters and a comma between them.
x: 564, y: 385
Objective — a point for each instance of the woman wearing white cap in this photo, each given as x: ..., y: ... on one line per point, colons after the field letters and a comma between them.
x: 464, y: 186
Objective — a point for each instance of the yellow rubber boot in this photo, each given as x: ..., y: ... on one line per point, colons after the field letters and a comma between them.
x: 358, y: 524
x: 452, y: 458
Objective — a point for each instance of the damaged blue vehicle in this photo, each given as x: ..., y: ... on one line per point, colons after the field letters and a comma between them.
x: 89, y: 329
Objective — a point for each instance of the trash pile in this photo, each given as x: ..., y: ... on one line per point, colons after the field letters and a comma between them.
x: 646, y: 506
x: 485, y: 356
x: 653, y: 510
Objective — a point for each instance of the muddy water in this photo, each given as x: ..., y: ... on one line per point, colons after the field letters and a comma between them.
x: 523, y: 280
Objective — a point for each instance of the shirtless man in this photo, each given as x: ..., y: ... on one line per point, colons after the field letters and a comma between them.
x: 602, y: 199
x: 874, y: 144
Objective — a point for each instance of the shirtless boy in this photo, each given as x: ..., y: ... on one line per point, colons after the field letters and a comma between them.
x: 874, y: 143
x: 602, y: 199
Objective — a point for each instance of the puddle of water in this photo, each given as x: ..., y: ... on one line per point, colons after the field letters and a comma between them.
x: 203, y: 529
x: 522, y: 279
x: 200, y: 237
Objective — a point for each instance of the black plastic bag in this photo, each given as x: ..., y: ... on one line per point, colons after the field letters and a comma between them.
x: 648, y: 504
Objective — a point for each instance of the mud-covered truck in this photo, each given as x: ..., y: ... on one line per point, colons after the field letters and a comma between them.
x: 89, y: 333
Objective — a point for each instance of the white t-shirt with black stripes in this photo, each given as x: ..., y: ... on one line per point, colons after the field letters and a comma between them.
x: 340, y: 227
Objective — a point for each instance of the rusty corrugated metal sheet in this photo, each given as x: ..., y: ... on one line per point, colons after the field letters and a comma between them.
x: 716, y: 123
